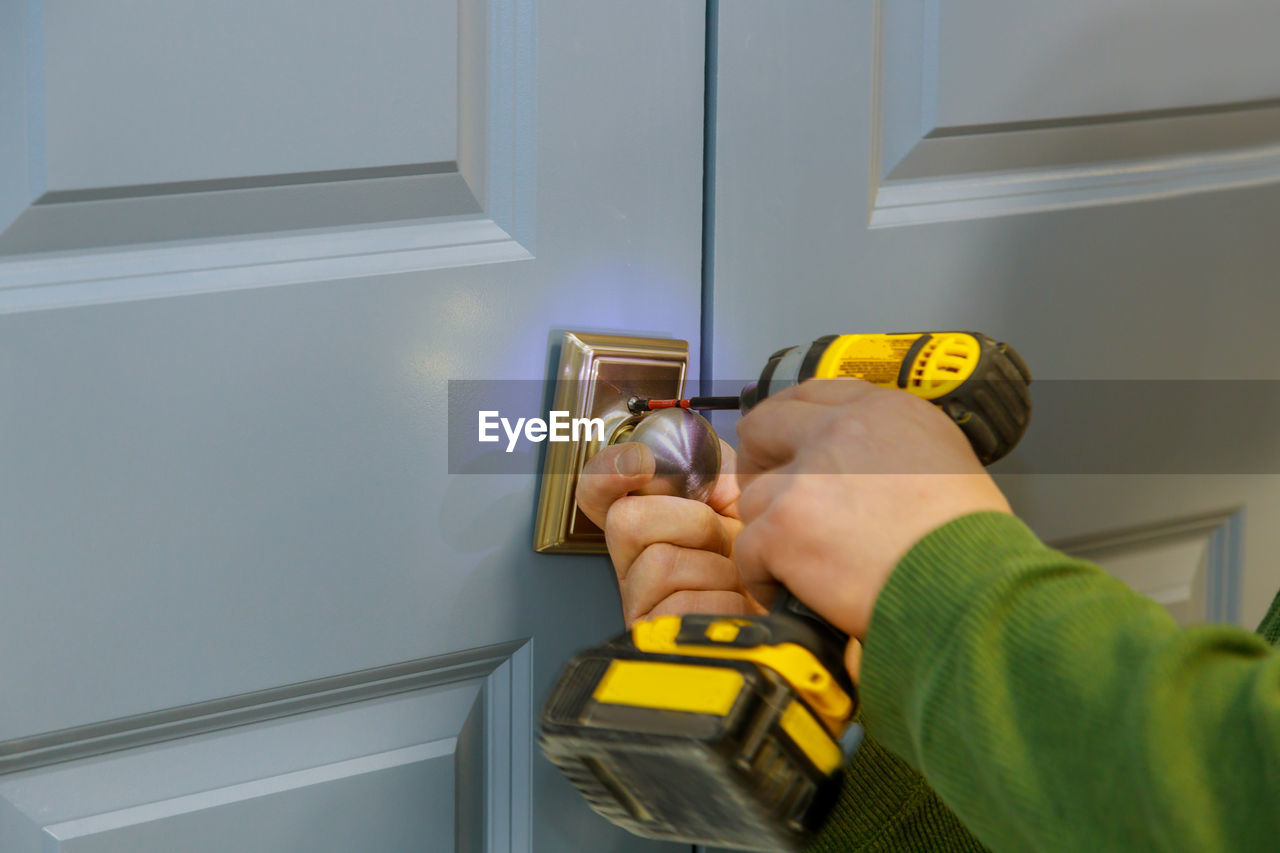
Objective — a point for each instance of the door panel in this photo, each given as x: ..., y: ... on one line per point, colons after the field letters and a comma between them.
x: 1135, y: 56
x: 278, y: 77
x: 237, y: 791
x: 243, y: 598
x: 1047, y: 180
x: 980, y: 112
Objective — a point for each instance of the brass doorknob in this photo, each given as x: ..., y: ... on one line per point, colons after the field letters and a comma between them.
x: 685, y: 448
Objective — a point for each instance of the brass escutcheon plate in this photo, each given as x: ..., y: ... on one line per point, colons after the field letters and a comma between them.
x: 596, y: 376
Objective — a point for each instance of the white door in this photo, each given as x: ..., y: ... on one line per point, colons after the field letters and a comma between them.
x: 1093, y: 182
x: 244, y: 603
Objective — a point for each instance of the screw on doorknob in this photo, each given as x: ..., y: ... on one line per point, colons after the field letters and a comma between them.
x: 685, y: 448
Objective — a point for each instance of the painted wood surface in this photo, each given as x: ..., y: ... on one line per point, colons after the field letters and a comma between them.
x: 245, y: 603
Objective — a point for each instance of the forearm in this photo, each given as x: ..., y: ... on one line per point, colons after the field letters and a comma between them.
x: 1050, y: 706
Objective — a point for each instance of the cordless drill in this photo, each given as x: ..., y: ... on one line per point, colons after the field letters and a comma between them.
x: 731, y: 730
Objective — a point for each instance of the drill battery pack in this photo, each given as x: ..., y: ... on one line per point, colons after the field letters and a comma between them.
x: 708, y: 729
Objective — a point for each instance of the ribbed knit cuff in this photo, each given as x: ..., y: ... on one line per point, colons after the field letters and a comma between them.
x: 886, y: 806
x: 878, y: 787
x: 916, y: 613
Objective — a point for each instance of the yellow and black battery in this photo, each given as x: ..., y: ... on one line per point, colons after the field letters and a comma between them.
x: 717, y: 730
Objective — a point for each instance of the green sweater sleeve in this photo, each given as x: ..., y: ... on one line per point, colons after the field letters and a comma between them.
x: 886, y: 806
x: 1051, y: 707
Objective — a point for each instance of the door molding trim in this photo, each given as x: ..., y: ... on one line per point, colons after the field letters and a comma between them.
x: 156, y: 271
x: 1221, y: 531
x: 261, y: 705
x: 923, y: 171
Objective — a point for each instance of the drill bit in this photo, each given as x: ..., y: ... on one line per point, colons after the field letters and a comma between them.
x: 640, y: 405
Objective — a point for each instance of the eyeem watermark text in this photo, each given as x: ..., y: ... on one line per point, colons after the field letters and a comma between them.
x: 560, y: 427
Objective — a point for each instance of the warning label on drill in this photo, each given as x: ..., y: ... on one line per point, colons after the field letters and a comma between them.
x: 879, y: 372
x: 874, y: 358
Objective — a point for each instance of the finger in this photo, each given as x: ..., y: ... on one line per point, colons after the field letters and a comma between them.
x: 777, y: 428
x: 719, y: 603
x: 761, y: 492
x: 609, y: 475
x: 634, y: 523
x: 724, y: 497
x: 751, y: 555
x: 664, y: 569
x: 835, y: 391
x: 772, y: 433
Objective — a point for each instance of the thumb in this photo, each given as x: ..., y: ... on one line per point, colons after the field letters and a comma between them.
x: 610, y: 474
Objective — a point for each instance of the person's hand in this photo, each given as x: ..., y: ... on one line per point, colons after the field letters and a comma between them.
x: 839, y: 479
x: 671, y: 555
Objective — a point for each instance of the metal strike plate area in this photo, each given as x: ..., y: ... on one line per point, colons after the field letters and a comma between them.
x: 596, y: 377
